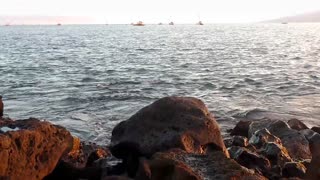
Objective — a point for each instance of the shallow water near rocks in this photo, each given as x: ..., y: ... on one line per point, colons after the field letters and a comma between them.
x: 89, y: 78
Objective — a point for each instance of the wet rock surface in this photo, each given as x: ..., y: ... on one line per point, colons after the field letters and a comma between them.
x: 297, y: 124
x: 31, y: 148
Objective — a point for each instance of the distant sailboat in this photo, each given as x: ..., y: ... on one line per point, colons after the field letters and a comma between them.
x: 171, y: 23
x: 160, y: 24
x: 200, y: 23
x: 139, y: 23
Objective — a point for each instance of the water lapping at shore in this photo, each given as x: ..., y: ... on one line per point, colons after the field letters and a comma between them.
x: 88, y: 78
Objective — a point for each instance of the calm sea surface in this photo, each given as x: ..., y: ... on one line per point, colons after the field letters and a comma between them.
x: 89, y: 78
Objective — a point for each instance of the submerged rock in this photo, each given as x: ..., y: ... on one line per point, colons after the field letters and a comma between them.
x: 32, y: 148
x: 297, y: 124
x: 171, y: 122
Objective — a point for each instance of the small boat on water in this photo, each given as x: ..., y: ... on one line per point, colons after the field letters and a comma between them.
x: 284, y: 23
x: 139, y: 23
x: 59, y: 24
x: 160, y: 24
x: 171, y: 23
x: 200, y: 23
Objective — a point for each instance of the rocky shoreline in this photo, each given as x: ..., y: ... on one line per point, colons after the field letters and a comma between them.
x: 173, y: 138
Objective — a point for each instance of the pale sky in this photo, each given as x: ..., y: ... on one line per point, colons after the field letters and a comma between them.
x: 154, y: 11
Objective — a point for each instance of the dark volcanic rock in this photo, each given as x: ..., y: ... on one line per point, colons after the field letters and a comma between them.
x: 1, y: 107
x: 316, y: 129
x: 263, y: 136
x: 164, y: 168
x: 241, y: 129
x: 214, y: 165
x: 297, y: 124
x: 293, y: 169
x: 296, y: 143
x: 313, y: 172
x: 85, y: 153
x: 276, y: 153
x: 31, y: 148
x: 252, y: 160
x: 258, y: 125
x: 240, y: 141
x: 171, y: 122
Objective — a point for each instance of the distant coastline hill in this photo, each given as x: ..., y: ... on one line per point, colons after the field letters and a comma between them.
x: 312, y: 17
x: 44, y: 20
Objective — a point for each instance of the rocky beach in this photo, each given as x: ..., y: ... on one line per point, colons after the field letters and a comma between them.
x: 174, y: 138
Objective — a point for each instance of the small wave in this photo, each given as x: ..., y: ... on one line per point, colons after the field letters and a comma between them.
x: 210, y: 85
x: 297, y: 58
x: 88, y: 79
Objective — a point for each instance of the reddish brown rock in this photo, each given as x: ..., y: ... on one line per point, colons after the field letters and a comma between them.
x: 30, y: 149
x: 171, y: 122
x: 79, y: 155
x: 241, y: 129
x: 297, y: 124
x: 214, y: 165
x: 164, y: 168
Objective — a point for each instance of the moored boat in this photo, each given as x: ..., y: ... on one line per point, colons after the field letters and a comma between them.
x: 139, y: 23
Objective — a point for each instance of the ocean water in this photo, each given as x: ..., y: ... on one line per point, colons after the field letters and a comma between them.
x: 89, y: 78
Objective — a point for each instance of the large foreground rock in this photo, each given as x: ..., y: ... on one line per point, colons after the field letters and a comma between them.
x: 30, y: 149
x: 171, y: 122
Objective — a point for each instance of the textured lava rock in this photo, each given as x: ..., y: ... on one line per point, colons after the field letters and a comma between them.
x: 316, y: 129
x: 30, y: 149
x: 252, y: 160
x: 171, y: 122
x: 241, y: 129
x: 214, y: 165
x: 293, y: 169
x: 240, y: 141
x: 1, y: 107
x: 296, y: 143
x: 297, y: 124
x: 263, y: 136
x: 276, y: 153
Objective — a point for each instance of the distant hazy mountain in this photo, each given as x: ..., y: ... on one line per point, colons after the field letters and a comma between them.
x: 18, y: 20
x: 312, y: 17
